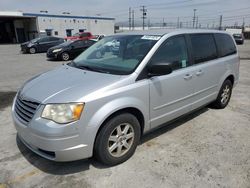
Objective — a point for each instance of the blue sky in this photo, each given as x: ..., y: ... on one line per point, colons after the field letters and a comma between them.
x: 208, y: 11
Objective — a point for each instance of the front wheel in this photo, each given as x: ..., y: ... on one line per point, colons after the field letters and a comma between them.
x: 224, y: 95
x: 117, y: 140
x: 32, y: 50
x: 65, y: 56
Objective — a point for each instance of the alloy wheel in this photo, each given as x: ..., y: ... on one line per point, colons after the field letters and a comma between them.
x: 121, y: 139
x: 225, y: 94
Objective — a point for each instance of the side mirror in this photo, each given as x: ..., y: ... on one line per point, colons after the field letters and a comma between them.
x: 159, y: 69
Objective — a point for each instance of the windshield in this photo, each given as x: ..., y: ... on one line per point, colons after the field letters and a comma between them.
x: 237, y: 35
x: 34, y: 40
x: 68, y: 42
x: 119, y: 54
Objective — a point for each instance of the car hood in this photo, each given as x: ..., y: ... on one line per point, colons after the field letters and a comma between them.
x: 66, y: 84
x: 25, y: 43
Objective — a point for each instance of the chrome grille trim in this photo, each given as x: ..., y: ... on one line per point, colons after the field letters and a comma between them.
x: 25, y: 109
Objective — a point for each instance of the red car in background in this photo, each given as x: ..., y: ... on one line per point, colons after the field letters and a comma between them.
x: 80, y: 36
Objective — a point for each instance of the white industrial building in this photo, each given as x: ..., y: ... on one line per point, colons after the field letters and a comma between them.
x: 16, y: 27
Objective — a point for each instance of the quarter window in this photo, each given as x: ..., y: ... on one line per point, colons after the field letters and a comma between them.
x: 204, y: 48
x: 225, y: 44
x: 173, y: 51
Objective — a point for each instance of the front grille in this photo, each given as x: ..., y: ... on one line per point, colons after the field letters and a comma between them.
x: 23, y: 47
x: 25, y: 109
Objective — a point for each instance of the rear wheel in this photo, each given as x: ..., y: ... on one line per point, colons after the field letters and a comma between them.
x: 32, y: 50
x: 224, y: 95
x: 117, y: 140
x: 65, y: 56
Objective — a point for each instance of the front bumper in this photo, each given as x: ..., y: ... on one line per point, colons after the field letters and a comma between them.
x: 43, y: 138
x: 23, y: 49
x: 52, y: 55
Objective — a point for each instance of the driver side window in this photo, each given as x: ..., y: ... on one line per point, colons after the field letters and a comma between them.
x: 173, y: 51
x: 45, y: 39
x: 78, y: 44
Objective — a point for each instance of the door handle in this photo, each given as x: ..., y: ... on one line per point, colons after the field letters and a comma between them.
x: 188, y: 76
x: 200, y: 72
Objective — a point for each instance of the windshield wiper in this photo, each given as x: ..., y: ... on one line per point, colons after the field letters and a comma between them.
x: 72, y: 64
x: 86, y: 67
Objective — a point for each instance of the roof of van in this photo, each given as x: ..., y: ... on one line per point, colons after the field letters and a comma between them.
x: 172, y: 31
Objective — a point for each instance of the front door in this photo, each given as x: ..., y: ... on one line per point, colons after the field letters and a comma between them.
x: 171, y: 95
x: 44, y: 44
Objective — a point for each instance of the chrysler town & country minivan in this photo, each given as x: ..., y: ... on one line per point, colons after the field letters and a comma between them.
x: 125, y: 85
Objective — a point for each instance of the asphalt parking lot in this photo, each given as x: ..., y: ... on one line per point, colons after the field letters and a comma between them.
x: 209, y: 148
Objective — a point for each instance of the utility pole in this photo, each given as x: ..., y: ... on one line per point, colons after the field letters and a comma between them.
x: 178, y: 22
x: 133, y: 19
x: 163, y: 22
x: 243, y: 23
x: 144, y: 16
x: 220, y: 27
x: 194, y: 17
x: 129, y: 18
x: 196, y: 22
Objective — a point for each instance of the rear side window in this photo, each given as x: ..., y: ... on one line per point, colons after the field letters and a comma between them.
x: 204, y: 48
x: 173, y: 51
x: 225, y: 44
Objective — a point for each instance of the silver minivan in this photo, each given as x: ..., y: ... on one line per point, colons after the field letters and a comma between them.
x: 102, y: 102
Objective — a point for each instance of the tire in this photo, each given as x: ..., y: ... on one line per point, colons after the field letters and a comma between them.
x: 32, y: 50
x: 65, y: 56
x: 224, y: 95
x: 113, y: 145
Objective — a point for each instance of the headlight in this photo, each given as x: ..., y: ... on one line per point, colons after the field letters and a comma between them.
x: 57, y: 50
x: 63, y: 113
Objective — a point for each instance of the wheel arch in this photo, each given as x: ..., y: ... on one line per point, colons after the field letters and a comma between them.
x: 132, y: 110
x: 231, y: 78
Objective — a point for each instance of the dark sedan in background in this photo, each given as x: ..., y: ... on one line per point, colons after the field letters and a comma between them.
x: 41, y: 44
x: 239, y: 38
x: 69, y: 50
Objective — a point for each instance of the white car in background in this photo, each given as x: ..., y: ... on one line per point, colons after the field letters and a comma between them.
x: 98, y: 37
